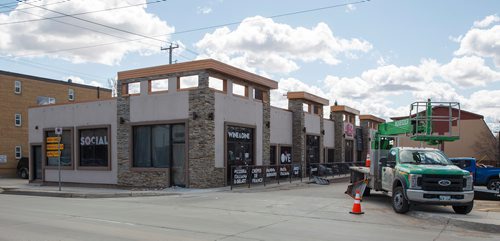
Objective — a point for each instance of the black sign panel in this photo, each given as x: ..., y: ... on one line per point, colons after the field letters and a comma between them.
x: 257, y: 175
x: 284, y: 171
x: 240, y: 176
x: 359, y: 139
x: 271, y: 172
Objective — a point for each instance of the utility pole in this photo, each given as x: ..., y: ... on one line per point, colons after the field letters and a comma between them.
x: 170, y: 48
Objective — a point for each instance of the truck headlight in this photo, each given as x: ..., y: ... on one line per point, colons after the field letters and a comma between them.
x: 415, y: 181
x: 468, y: 185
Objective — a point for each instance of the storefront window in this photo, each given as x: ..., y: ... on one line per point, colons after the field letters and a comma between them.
x: 240, y: 145
x: 285, y: 155
x: 51, y: 148
x: 94, y: 147
x: 273, y: 156
x: 312, y: 149
x: 152, y: 146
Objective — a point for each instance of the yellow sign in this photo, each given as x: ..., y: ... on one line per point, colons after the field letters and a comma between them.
x: 53, y: 154
x: 53, y: 139
x: 53, y: 147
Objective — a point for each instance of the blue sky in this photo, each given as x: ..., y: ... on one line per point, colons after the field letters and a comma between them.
x: 378, y: 56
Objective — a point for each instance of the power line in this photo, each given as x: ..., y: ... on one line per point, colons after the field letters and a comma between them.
x: 16, y: 3
x: 198, y: 29
x: 82, y: 13
x: 107, y: 26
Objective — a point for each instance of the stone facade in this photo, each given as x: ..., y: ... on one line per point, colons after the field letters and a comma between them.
x: 126, y: 175
x: 266, y: 128
x: 321, y: 138
x: 298, y: 135
x: 338, y: 119
x: 201, y: 137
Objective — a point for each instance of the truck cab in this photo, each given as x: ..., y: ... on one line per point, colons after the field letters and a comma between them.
x: 425, y: 175
x: 483, y: 175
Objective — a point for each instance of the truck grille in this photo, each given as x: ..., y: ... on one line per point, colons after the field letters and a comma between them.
x: 431, y: 183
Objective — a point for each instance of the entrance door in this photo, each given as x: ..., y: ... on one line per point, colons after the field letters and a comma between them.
x: 36, y: 154
x: 349, y: 148
x: 177, y: 169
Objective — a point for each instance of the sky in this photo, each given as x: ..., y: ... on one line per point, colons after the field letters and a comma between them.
x: 377, y: 56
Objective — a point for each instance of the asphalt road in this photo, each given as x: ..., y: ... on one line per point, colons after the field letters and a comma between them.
x: 289, y: 212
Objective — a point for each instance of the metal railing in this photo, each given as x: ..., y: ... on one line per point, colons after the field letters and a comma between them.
x: 267, y: 174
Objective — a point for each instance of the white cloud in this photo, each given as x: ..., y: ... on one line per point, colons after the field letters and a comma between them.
x: 260, y: 43
x: 204, y: 10
x: 469, y: 71
x: 350, y: 8
x: 78, y: 80
x: 482, y: 43
x: 39, y: 37
x: 487, y: 21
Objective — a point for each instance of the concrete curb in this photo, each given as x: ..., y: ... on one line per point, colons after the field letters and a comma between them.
x: 83, y: 195
x: 482, y: 227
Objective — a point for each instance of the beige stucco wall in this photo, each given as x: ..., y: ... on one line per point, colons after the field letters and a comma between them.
x: 329, y: 137
x: 172, y: 105
x: 281, y: 126
x: 312, y: 123
x: 76, y: 115
x: 237, y: 110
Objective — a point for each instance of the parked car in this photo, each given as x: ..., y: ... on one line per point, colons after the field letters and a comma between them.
x: 23, y: 168
x: 483, y: 175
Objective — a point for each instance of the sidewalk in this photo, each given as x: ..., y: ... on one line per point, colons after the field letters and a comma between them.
x: 22, y: 187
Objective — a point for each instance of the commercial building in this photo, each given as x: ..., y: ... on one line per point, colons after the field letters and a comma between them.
x: 19, y: 92
x: 185, y: 124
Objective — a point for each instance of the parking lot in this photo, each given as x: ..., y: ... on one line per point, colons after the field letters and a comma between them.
x: 297, y: 211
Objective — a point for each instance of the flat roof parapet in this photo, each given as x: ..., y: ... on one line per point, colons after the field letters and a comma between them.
x: 372, y: 118
x: 307, y: 96
x: 344, y: 108
x: 208, y: 64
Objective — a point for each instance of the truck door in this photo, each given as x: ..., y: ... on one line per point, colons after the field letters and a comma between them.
x: 388, y: 171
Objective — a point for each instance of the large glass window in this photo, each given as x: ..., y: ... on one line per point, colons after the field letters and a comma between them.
x: 285, y: 155
x: 154, y: 145
x: 94, y: 147
x: 51, y: 148
x: 272, y: 160
x: 312, y: 149
x: 239, y: 145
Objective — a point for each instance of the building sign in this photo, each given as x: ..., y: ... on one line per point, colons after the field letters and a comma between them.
x: 55, y: 147
x: 257, y: 175
x: 285, y: 155
x: 240, y: 175
x: 52, y: 154
x: 271, y: 172
x: 94, y: 147
x: 55, y: 139
x: 3, y: 158
x: 235, y: 133
x: 348, y: 129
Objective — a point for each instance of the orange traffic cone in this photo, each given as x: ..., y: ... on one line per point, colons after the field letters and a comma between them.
x: 356, y: 207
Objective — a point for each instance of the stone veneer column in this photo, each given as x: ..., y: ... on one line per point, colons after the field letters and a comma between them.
x: 298, y: 136
x: 266, y: 128
x: 339, y: 136
x: 126, y: 177
x: 366, y: 138
x: 321, y: 138
x: 201, y: 164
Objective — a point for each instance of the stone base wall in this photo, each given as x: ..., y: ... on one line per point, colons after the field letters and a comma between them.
x: 339, y: 136
x: 201, y: 128
x: 298, y: 135
x: 266, y: 129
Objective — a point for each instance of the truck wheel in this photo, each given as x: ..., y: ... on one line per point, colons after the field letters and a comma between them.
x: 493, y: 184
x: 399, y: 202
x: 463, y: 209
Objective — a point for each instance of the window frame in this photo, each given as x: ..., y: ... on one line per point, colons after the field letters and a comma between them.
x: 18, y: 89
x: 152, y: 123
x: 44, y: 149
x: 71, y: 95
x: 77, y: 149
x: 16, y: 115
x: 16, y: 152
